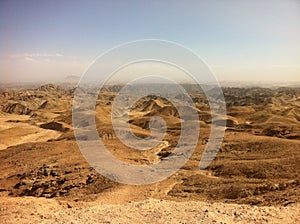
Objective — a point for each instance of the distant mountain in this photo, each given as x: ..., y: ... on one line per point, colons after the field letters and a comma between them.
x: 70, y: 79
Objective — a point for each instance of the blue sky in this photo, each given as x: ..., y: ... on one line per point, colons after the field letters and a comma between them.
x: 240, y: 40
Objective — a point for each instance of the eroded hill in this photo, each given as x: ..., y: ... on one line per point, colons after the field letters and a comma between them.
x: 258, y: 162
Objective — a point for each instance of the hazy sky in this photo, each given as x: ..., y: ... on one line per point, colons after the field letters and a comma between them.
x: 256, y: 40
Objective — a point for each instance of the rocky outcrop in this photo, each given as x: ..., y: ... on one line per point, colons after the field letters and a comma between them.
x: 54, y: 126
x: 51, y: 181
x: 51, y: 88
x: 23, y: 107
x: 16, y: 108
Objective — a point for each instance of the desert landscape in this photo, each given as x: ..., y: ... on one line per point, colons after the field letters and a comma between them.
x: 254, y: 178
x: 149, y: 112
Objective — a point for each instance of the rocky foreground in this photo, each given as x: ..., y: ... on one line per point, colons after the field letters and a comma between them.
x: 42, y: 210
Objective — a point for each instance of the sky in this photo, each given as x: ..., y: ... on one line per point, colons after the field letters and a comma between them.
x: 256, y: 40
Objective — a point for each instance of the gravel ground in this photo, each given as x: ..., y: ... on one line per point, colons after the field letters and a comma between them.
x: 41, y: 210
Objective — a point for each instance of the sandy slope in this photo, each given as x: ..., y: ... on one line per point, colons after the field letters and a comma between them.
x: 14, y: 131
x: 41, y: 210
